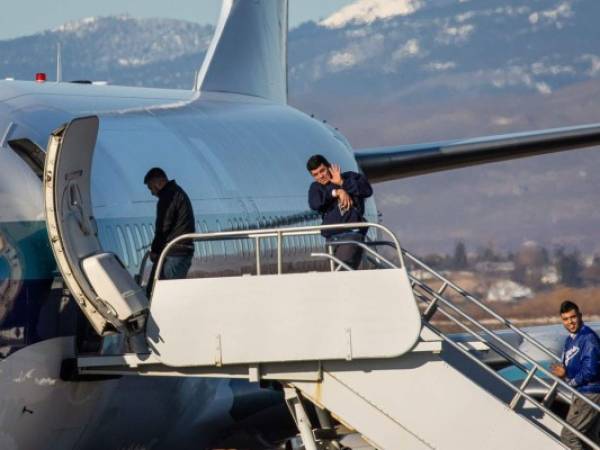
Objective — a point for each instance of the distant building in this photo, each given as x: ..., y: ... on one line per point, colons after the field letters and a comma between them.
x: 550, y: 275
x: 421, y: 274
x: 589, y: 260
x: 508, y: 291
x: 495, y: 267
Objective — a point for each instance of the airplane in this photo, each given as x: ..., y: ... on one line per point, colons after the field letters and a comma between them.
x: 239, y: 151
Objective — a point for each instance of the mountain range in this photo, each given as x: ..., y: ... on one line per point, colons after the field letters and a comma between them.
x: 390, y: 72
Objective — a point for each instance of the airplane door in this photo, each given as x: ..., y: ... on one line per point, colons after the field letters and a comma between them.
x: 101, y: 286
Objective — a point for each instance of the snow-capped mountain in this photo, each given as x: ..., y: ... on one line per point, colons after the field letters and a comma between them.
x: 414, y: 48
x: 367, y: 11
x: 111, y: 49
x: 423, y: 47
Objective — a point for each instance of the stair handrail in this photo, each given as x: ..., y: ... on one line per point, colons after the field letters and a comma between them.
x: 472, y: 299
x: 279, y: 234
x: 514, y: 388
x: 496, y: 337
x: 488, y: 310
x: 481, y: 339
x: 525, y: 336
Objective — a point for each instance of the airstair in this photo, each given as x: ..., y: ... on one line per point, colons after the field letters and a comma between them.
x: 356, y: 344
x: 353, y: 343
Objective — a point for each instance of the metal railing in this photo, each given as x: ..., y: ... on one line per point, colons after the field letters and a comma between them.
x: 280, y: 234
x: 436, y: 301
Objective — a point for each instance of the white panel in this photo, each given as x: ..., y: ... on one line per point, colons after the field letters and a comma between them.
x: 419, y: 401
x: 294, y: 317
x: 114, y: 285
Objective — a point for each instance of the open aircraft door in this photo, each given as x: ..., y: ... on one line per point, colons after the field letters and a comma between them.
x: 100, y: 284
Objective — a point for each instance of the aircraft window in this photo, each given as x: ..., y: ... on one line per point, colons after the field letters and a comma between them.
x: 146, y: 234
x: 240, y: 242
x: 313, y: 243
x: 222, y: 245
x: 232, y: 245
x: 198, y: 247
x: 262, y: 241
x: 307, y: 239
x: 302, y: 239
x: 106, y: 238
x: 31, y: 153
x: 130, y: 240
x: 139, y: 242
x: 236, y: 243
x: 243, y: 243
x: 266, y: 242
x: 238, y: 226
x: 249, y: 242
x: 123, y: 243
x: 272, y: 241
x: 292, y: 240
x: 143, y: 235
x: 286, y: 240
x: 207, y: 245
x: 298, y: 242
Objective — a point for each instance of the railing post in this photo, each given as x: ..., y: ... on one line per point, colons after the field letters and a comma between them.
x: 515, y: 400
x: 550, y: 395
x: 330, y: 251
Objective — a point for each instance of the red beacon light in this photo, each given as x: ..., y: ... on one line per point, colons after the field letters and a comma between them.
x: 40, y: 77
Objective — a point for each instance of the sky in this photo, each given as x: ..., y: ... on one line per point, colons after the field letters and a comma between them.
x: 18, y: 20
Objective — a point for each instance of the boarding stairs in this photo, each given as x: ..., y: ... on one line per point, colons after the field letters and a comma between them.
x: 354, y: 344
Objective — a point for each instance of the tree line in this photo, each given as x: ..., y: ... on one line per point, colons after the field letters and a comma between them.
x: 530, y: 264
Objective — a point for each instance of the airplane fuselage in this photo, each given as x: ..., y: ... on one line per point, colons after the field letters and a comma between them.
x: 241, y: 160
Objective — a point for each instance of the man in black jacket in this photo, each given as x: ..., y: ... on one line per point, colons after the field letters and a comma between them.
x: 174, y: 217
x: 340, y: 198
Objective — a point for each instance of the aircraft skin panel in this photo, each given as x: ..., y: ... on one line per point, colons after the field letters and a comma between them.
x: 39, y: 411
x: 224, y: 150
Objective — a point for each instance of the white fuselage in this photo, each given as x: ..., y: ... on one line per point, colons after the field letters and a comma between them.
x: 242, y: 162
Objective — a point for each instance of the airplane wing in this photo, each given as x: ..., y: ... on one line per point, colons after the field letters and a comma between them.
x: 390, y: 163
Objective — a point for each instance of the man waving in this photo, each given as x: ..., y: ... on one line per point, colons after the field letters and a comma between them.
x: 340, y: 198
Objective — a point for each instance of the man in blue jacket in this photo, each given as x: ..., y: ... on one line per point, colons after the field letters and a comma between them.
x: 581, y: 370
x: 340, y: 198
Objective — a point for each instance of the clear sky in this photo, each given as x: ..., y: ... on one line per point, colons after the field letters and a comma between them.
x: 24, y: 17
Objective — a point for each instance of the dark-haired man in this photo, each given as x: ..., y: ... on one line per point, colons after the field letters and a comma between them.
x: 580, y: 369
x: 174, y: 217
x: 340, y: 198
